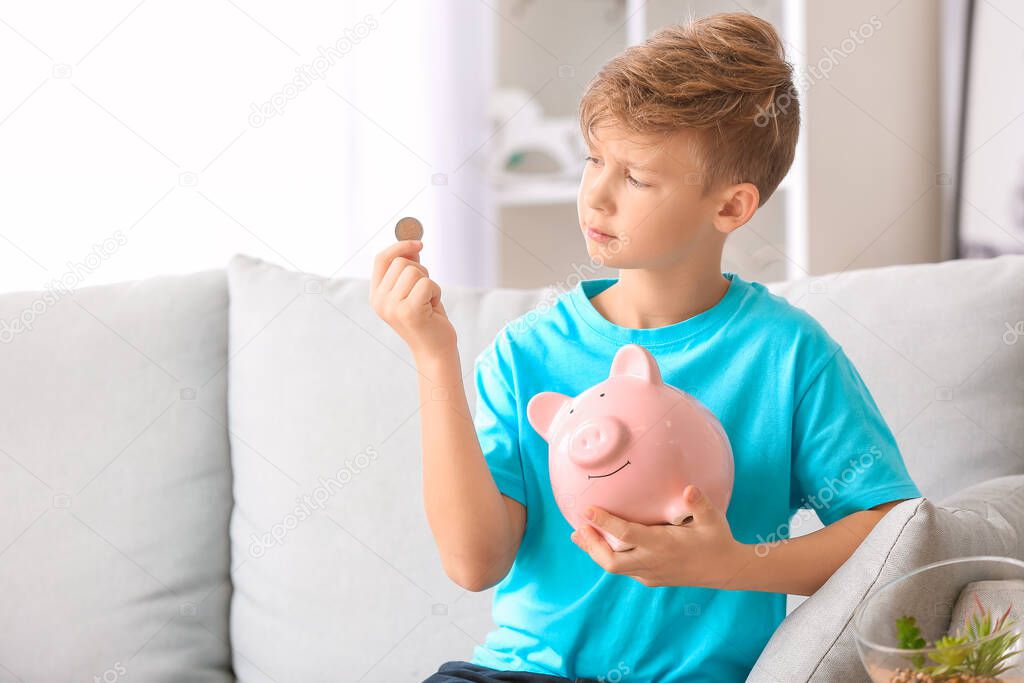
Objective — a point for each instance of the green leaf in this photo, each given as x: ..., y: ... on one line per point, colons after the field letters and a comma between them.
x: 909, y: 636
x: 951, y: 651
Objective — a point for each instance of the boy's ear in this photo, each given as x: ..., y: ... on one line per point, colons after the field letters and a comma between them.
x: 541, y: 411
x: 738, y: 207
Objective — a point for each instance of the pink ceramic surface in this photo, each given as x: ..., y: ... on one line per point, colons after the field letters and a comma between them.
x: 630, y: 445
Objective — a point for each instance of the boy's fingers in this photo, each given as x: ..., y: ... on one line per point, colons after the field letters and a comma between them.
x: 409, y: 249
x: 424, y: 291
x: 395, y: 270
x: 404, y: 282
x: 625, y: 531
x: 701, y: 507
x: 594, y: 544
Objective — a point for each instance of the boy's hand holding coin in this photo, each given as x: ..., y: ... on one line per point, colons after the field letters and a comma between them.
x: 404, y: 296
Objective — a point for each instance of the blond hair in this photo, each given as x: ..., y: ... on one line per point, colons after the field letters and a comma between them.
x: 726, y: 78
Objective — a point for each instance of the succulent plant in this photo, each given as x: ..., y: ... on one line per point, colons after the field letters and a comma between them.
x: 962, y: 653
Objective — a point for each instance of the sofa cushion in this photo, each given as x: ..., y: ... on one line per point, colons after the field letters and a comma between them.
x: 932, y: 343
x: 816, y: 642
x: 115, y: 482
x: 336, y: 575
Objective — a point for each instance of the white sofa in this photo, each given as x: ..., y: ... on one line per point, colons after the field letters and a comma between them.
x: 218, y: 475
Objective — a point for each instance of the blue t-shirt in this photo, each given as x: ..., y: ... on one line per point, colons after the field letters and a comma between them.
x: 805, y: 433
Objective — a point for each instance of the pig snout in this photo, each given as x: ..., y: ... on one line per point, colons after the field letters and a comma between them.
x: 597, y: 442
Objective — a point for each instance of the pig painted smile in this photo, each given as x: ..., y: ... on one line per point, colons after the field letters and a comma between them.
x: 654, y: 438
x: 600, y: 476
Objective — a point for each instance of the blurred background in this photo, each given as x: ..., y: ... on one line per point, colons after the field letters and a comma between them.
x: 140, y: 138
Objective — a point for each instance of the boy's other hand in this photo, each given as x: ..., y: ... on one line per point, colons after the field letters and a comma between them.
x: 701, y: 552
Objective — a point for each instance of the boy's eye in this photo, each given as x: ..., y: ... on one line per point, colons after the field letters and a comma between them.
x: 632, y: 181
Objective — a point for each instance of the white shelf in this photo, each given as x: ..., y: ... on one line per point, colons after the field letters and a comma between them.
x: 540, y: 190
x: 544, y: 190
x: 794, y: 33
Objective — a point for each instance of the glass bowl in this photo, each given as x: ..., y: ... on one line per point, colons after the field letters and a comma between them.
x: 930, y: 594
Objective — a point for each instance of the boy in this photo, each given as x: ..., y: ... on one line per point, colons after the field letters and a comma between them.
x: 688, y: 135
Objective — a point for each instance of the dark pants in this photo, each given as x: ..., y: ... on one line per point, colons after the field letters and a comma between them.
x: 459, y: 671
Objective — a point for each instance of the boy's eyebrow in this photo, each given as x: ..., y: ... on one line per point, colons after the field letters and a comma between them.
x: 633, y: 164
x: 641, y: 167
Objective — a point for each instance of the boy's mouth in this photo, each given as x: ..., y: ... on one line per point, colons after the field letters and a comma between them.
x: 597, y: 235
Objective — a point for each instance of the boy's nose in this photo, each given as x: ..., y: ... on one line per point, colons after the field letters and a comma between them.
x: 596, y: 442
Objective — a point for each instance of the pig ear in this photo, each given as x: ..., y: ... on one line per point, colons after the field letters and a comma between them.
x: 541, y: 411
x: 636, y: 361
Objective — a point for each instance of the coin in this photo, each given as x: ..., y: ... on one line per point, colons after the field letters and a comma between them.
x: 408, y: 228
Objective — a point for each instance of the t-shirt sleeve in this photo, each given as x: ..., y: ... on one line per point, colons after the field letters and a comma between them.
x: 845, y: 457
x: 497, y: 424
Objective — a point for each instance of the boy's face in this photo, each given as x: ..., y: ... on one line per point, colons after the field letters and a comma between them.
x: 645, y: 196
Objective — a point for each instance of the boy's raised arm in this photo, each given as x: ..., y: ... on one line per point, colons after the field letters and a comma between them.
x: 477, y: 529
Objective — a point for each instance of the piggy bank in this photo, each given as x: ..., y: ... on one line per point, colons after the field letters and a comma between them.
x: 630, y: 445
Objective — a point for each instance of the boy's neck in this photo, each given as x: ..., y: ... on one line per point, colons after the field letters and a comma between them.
x: 646, y: 298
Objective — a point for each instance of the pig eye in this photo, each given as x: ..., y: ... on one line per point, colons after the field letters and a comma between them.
x: 602, y: 393
x: 570, y: 410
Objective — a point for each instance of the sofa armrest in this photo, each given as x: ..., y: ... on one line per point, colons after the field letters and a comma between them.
x: 816, y: 643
